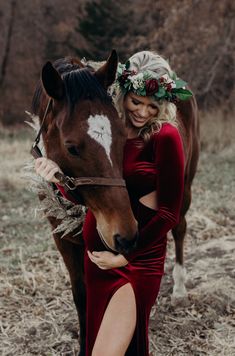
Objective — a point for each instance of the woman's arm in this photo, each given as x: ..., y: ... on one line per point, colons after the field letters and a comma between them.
x: 169, y: 160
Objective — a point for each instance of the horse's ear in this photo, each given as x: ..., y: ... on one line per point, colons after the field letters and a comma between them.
x: 107, y: 73
x: 52, y: 82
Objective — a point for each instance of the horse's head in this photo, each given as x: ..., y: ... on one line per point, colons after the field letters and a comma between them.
x: 85, y: 136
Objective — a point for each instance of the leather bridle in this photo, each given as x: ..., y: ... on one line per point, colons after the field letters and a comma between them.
x: 71, y: 183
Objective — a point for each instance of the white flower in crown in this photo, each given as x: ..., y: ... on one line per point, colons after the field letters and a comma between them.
x: 139, y: 76
x: 168, y: 81
x: 166, y: 78
x: 137, y: 80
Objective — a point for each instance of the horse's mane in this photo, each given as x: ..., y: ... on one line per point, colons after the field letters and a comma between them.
x: 80, y: 83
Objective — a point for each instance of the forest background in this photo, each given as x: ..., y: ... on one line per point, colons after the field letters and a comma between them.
x: 196, y: 36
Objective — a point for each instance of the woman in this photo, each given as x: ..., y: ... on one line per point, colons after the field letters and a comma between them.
x: 122, y: 289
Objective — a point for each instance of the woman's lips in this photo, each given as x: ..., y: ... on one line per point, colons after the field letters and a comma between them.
x: 139, y: 120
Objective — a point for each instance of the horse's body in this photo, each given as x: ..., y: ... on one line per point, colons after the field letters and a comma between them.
x: 79, y: 129
x: 187, y: 115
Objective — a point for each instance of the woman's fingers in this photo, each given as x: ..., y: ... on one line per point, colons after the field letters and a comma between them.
x: 51, y: 175
x: 45, y: 171
x: 98, y: 261
x: 92, y: 257
x: 38, y: 163
x: 103, y: 259
x: 97, y: 254
x: 46, y: 168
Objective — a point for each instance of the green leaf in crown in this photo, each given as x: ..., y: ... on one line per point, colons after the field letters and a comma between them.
x: 174, y: 76
x: 180, y: 83
x: 141, y: 92
x: 120, y: 68
x: 182, y: 94
x: 127, y: 65
x: 161, y: 93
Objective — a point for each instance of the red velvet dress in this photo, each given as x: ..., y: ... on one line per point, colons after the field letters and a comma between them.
x: 155, y: 165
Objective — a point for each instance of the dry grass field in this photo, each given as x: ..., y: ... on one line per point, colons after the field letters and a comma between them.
x: 37, y: 315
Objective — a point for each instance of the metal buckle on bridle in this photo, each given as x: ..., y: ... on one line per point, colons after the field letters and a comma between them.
x: 72, y: 183
x: 69, y: 183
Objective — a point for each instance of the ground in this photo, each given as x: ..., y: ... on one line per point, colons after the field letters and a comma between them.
x: 38, y: 316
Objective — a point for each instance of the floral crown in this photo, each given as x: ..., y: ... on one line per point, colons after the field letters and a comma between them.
x: 144, y: 84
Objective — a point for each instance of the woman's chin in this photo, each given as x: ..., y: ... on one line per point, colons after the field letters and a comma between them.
x: 137, y: 123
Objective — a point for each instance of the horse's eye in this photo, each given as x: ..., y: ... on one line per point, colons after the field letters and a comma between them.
x: 73, y: 150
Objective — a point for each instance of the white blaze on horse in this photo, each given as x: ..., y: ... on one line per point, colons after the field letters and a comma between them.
x: 100, y: 130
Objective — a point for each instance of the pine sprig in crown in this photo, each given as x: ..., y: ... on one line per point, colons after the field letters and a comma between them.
x: 171, y: 89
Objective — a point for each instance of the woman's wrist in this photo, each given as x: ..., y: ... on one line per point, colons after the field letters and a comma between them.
x: 121, y: 260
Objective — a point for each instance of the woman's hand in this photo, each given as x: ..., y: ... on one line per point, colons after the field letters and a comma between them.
x: 107, y: 260
x: 46, y: 168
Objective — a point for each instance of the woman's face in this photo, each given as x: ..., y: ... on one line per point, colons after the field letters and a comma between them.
x: 139, y: 109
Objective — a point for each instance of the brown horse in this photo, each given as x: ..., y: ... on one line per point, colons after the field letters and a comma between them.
x: 83, y: 134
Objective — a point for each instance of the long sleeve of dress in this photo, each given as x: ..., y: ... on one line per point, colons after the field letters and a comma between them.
x: 169, y: 160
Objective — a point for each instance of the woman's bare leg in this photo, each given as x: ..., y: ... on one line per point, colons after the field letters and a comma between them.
x: 118, y: 324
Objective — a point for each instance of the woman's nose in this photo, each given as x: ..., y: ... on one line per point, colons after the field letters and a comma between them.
x: 143, y: 111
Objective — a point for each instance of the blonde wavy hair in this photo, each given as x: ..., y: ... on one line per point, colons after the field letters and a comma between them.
x: 152, y: 62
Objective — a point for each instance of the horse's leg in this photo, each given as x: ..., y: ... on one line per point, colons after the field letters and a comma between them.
x: 73, y: 256
x: 178, y: 232
x: 179, y: 271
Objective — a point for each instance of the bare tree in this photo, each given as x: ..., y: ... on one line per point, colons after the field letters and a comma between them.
x: 6, y: 51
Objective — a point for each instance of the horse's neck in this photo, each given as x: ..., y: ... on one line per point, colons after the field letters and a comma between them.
x: 187, y: 117
x: 183, y: 131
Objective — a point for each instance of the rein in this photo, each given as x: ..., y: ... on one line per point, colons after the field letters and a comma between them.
x: 71, y: 183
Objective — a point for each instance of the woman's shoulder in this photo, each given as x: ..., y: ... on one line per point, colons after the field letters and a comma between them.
x: 168, y: 140
x: 167, y: 131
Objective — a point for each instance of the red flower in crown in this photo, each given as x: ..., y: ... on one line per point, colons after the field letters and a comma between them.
x: 124, y: 77
x: 169, y: 87
x: 151, y: 86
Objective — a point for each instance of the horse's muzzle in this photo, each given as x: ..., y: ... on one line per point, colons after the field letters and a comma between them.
x: 122, y: 245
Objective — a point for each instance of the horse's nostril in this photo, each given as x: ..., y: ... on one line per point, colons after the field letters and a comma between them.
x: 123, y: 245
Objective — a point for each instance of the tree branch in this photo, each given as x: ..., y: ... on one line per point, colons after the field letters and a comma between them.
x: 8, y: 44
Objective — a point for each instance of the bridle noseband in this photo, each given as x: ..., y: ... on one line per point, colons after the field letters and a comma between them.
x: 71, y: 183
